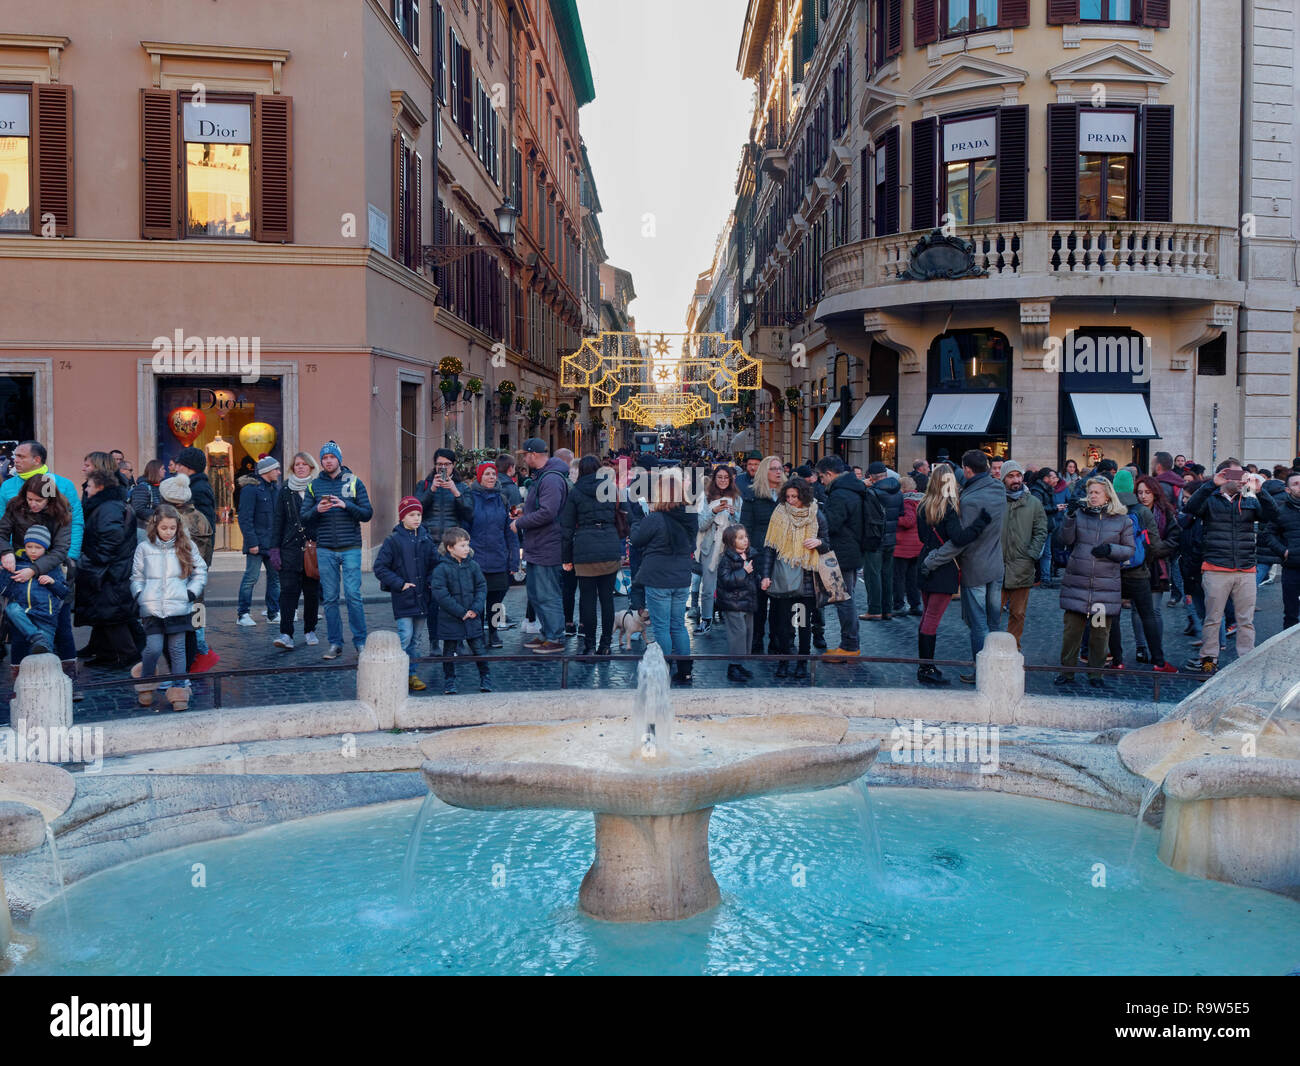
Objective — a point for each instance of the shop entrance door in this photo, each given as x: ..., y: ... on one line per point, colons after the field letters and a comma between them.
x: 410, y: 442
x: 17, y: 410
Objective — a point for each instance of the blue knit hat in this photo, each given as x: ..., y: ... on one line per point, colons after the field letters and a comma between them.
x: 37, y: 535
x: 333, y: 449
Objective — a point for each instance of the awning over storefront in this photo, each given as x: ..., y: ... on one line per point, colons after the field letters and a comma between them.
x: 958, y: 413
x: 857, y: 428
x: 825, y: 422
x: 1113, y: 414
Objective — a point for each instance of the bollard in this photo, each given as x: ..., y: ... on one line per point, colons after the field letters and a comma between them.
x: 382, y: 672
x: 1000, y: 676
x: 42, y: 695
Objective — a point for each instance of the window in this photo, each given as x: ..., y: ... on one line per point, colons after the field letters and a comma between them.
x: 406, y: 16
x: 36, y: 159
x: 880, y: 34
x: 218, y: 171
x: 1106, y: 172
x: 1212, y: 358
x: 879, y: 199
x: 440, y: 66
x: 970, y: 170
x: 406, y: 236
x: 968, y: 16
x: 15, y: 163
x: 1106, y: 10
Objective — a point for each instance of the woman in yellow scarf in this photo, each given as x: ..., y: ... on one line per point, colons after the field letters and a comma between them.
x: 796, y: 536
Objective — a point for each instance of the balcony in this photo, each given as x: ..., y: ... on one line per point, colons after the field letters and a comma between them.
x: 1159, y: 260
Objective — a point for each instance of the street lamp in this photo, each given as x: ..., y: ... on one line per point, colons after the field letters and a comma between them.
x: 440, y: 255
x: 747, y: 294
x: 507, y: 215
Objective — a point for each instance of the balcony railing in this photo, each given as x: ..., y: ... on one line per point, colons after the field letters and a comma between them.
x: 1016, y: 249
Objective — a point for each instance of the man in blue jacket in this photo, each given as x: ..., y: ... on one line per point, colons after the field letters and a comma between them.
x: 542, y: 544
x: 334, y: 506
x: 256, y: 516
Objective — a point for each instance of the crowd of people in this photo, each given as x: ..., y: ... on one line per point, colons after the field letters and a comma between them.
x: 753, y: 546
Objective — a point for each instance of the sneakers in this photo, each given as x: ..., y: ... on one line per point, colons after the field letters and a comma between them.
x: 39, y: 647
x: 1142, y: 655
x: 495, y: 642
x: 966, y: 679
x: 570, y: 629
x: 284, y: 642
x: 548, y: 647
x: 485, y: 684
x: 334, y: 652
x: 535, y: 643
x: 1063, y: 679
x: 735, y: 676
x: 870, y: 617
x: 246, y: 620
x: 449, y: 688
x: 703, y: 626
x: 1209, y: 666
x: 205, y: 662
x: 1232, y: 629
x: 273, y: 618
x: 530, y: 627
x: 1166, y: 668
x: 312, y: 638
x: 839, y: 655
x: 916, y: 611
x: 414, y: 684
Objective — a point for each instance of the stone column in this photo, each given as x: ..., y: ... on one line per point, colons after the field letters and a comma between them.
x: 382, y: 672
x: 1000, y: 677
x: 42, y: 695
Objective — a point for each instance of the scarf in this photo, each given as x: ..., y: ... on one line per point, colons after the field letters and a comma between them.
x: 1015, y: 495
x: 787, y: 531
x: 297, y: 484
x: 42, y: 469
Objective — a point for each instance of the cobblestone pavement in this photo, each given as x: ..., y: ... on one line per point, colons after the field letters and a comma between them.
x: 250, y: 648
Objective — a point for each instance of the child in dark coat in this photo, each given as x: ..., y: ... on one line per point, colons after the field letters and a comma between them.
x: 737, y: 597
x: 405, y: 561
x: 33, y: 606
x: 460, y: 594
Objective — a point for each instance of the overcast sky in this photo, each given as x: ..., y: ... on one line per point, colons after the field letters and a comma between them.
x: 664, y: 136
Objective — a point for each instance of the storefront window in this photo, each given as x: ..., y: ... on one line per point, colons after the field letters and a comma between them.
x: 970, y: 170
x: 17, y: 409
x: 15, y: 163
x: 964, y: 16
x: 1105, y: 186
x: 970, y: 359
x: 217, y: 169
x: 1104, y: 397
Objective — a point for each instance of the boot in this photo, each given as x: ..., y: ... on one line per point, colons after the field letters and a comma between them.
x: 694, y: 612
x: 782, y: 669
x: 927, y: 673
x: 179, y: 697
x: 800, y: 670
x: 735, y: 675
x: 144, y: 693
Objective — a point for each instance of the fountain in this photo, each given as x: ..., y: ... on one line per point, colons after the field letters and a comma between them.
x: 32, y: 795
x: 651, y: 783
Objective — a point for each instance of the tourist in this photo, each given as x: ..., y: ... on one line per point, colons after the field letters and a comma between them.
x: 745, y: 479
x: 167, y: 577
x: 459, y: 591
x: 980, y: 561
x: 103, y: 596
x: 846, y: 505
x: 939, y: 522
x: 256, y: 524
x: 440, y: 495
x: 720, y: 508
x: 334, y: 506
x: 1285, y: 535
x: 920, y: 474
x: 1268, y: 564
x: 126, y: 474
x: 28, y: 461
x: 245, y: 478
x: 144, y: 496
x: 592, y: 549
x: 542, y: 547
x: 755, y: 513
x: 33, y: 604
x: 175, y: 490
x: 737, y: 598
x: 907, y: 550
x: 795, y: 538
x: 486, y: 515
x: 1099, y: 533
x: 1024, y: 532
x: 506, y: 482
x: 98, y: 461
x: 39, y: 504
x: 289, y: 547
x: 666, y: 541
x: 878, y: 574
x: 1071, y: 474
x: 402, y: 567
x: 192, y: 463
x: 1162, y: 560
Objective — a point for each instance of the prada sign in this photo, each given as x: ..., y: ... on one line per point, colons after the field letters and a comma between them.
x: 1106, y: 132
x: 973, y: 139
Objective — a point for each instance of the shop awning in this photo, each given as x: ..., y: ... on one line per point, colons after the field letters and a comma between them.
x: 825, y: 422
x: 1113, y: 414
x: 958, y: 413
x: 861, y: 422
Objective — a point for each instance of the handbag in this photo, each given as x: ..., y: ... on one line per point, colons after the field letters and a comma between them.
x: 828, y: 580
x: 310, y: 564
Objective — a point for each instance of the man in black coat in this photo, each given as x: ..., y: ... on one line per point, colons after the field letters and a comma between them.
x: 878, y: 570
x: 1284, y: 539
x: 103, y: 595
x: 192, y: 462
x: 756, y: 509
x: 846, y: 504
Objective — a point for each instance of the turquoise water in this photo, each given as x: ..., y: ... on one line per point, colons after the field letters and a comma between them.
x: 973, y: 883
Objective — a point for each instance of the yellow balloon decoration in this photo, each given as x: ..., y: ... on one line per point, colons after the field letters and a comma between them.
x: 258, y: 438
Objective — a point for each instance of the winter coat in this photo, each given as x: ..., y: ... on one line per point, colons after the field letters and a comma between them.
x: 338, y: 528
x: 1229, y: 539
x: 243, y: 482
x: 456, y: 588
x: 891, y: 496
x: 257, y: 515
x: 981, y: 560
x: 510, y: 490
x: 1089, y: 580
x: 485, y: 516
x: 10, y: 487
x: 157, y: 583
x: 407, y: 557
x: 443, y: 509
x: 755, y: 513
x: 942, y: 579
x: 845, y: 501
x: 13, y: 533
x: 540, y: 522
x: 1147, y: 522
x: 1265, y: 550
x: 1024, y: 532
x: 1172, y: 484
x: 288, y: 533
x: 666, y: 541
x: 199, y: 530
x: 144, y: 500
x: 1165, y: 541
x: 921, y: 481
x: 1284, y: 533
x: 767, y: 561
x: 708, y: 543
x: 907, y: 545
x: 103, y: 589
x: 201, y: 496
x: 737, y: 590
x: 587, y: 524
x: 1047, y: 500
x: 41, y: 603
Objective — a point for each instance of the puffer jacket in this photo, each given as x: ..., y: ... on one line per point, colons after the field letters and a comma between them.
x: 103, y: 588
x: 510, y: 490
x: 156, y: 580
x: 737, y: 590
x: 144, y: 501
x: 908, y: 543
x: 41, y: 603
x: 442, y: 507
x: 1089, y: 580
x: 406, y: 556
x: 755, y: 513
x: 666, y: 541
x: 587, y: 523
x: 540, y: 522
x: 338, y: 528
x: 1229, y: 539
x: 767, y: 561
x: 257, y: 515
x: 1284, y: 533
x: 890, y: 494
x: 458, y: 587
x: 845, y: 500
x: 980, y: 560
x: 1265, y: 550
x: 486, y: 518
x: 1024, y: 532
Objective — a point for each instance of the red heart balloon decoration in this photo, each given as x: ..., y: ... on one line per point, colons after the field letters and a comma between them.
x: 186, y: 424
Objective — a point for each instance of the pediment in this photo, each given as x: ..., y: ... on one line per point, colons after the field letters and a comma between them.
x: 877, y: 98
x: 1112, y: 63
x: 965, y: 72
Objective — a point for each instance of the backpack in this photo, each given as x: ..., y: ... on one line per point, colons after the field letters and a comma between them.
x: 873, y: 522
x: 1141, y: 538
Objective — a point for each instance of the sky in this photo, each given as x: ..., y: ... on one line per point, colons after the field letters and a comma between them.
x: 664, y: 136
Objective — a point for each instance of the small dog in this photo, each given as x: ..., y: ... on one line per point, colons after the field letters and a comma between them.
x: 627, y: 624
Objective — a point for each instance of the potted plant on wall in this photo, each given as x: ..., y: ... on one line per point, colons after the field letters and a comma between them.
x: 450, y: 368
x: 474, y: 387
x: 792, y: 397
x: 534, y: 412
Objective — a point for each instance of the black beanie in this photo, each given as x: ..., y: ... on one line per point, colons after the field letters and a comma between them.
x: 194, y: 459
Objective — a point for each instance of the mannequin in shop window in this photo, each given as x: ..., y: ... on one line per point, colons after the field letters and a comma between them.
x: 221, y: 474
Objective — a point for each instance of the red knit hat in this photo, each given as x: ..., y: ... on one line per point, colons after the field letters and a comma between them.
x: 478, y: 470
x: 408, y: 504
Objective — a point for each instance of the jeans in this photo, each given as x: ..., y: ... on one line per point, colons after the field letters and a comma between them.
x: 348, y: 562
x: 1045, y: 561
x: 545, y: 596
x: 153, y: 649
x: 28, y: 627
x: 981, y: 610
x: 1157, y: 619
x: 252, y: 564
x: 292, y: 584
x: 409, y: 634
x: 1261, y: 572
x: 1290, y: 598
x: 1175, y: 577
x: 848, y: 612
x: 591, y: 590
x: 667, y: 609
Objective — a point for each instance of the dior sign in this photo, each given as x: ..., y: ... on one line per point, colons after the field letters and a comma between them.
x: 14, y: 115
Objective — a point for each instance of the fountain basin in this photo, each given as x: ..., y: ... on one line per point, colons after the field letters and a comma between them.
x: 651, y: 814
x: 31, y: 796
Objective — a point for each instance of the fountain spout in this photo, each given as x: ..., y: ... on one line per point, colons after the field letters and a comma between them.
x: 652, y: 715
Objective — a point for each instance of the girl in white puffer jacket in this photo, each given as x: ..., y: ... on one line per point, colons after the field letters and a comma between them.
x: 167, y: 577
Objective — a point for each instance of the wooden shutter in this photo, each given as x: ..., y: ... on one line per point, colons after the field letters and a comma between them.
x: 864, y: 214
x: 52, y: 184
x: 808, y: 31
x: 159, y: 165
x: 1155, y: 13
x: 453, y: 67
x: 417, y: 210
x: 1157, y: 163
x: 273, y: 168
x: 467, y: 95
x: 397, y: 224
x: 1061, y: 12
x: 1062, y: 162
x: 440, y: 47
x: 894, y: 27
x: 1013, y: 12
x: 925, y: 22
x: 925, y: 191
x: 891, y: 181
x: 1013, y: 164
